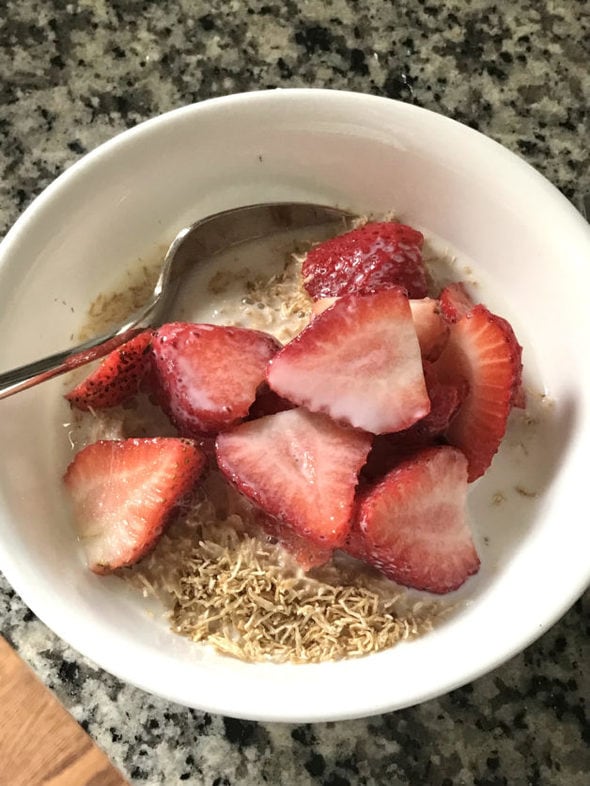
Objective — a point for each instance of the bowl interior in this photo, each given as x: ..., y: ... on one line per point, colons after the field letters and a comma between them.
x: 528, y: 251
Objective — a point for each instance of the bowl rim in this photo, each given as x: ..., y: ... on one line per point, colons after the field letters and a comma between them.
x: 43, y: 607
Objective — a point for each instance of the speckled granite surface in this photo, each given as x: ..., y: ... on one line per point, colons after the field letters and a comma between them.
x: 73, y: 75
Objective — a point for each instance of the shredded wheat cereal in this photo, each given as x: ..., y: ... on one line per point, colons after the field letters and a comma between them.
x: 240, y: 593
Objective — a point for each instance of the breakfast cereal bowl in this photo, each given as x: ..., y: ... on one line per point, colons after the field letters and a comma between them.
x: 495, y: 220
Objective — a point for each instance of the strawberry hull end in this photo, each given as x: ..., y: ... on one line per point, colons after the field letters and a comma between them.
x: 367, y: 259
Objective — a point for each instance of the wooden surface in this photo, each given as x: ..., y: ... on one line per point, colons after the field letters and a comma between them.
x: 40, y: 743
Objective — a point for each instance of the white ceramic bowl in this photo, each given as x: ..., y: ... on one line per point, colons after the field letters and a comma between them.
x: 530, y: 250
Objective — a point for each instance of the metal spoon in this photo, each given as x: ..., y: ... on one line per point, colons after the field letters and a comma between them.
x: 191, y: 245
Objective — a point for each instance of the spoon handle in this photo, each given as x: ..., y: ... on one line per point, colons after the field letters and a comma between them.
x: 24, y: 377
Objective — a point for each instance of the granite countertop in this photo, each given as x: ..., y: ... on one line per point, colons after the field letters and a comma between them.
x: 73, y: 75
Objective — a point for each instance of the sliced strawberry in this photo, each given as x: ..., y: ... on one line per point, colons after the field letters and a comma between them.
x: 483, y: 351
x: 389, y: 449
x: 268, y: 403
x: 367, y: 259
x: 124, y: 492
x: 414, y: 522
x: 305, y: 552
x: 455, y: 302
x: 207, y: 376
x: 117, y: 378
x: 431, y: 327
x: 358, y: 362
x: 301, y: 468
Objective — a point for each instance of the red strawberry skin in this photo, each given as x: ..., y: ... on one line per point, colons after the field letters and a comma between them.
x: 207, y: 376
x: 300, y: 468
x: 482, y: 351
x: 455, y: 302
x: 117, y: 378
x: 359, y: 362
x: 414, y: 522
x: 123, y: 493
x: 364, y: 260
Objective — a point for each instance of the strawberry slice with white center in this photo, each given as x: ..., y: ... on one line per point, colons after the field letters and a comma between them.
x: 482, y: 350
x: 414, y: 522
x: 431, y: 327
x: 117, y: 378
x: 299, y: 467
x: 207, y: 376
x: 372, y: 257
x: 358, y: 362
x: 124, y: 492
